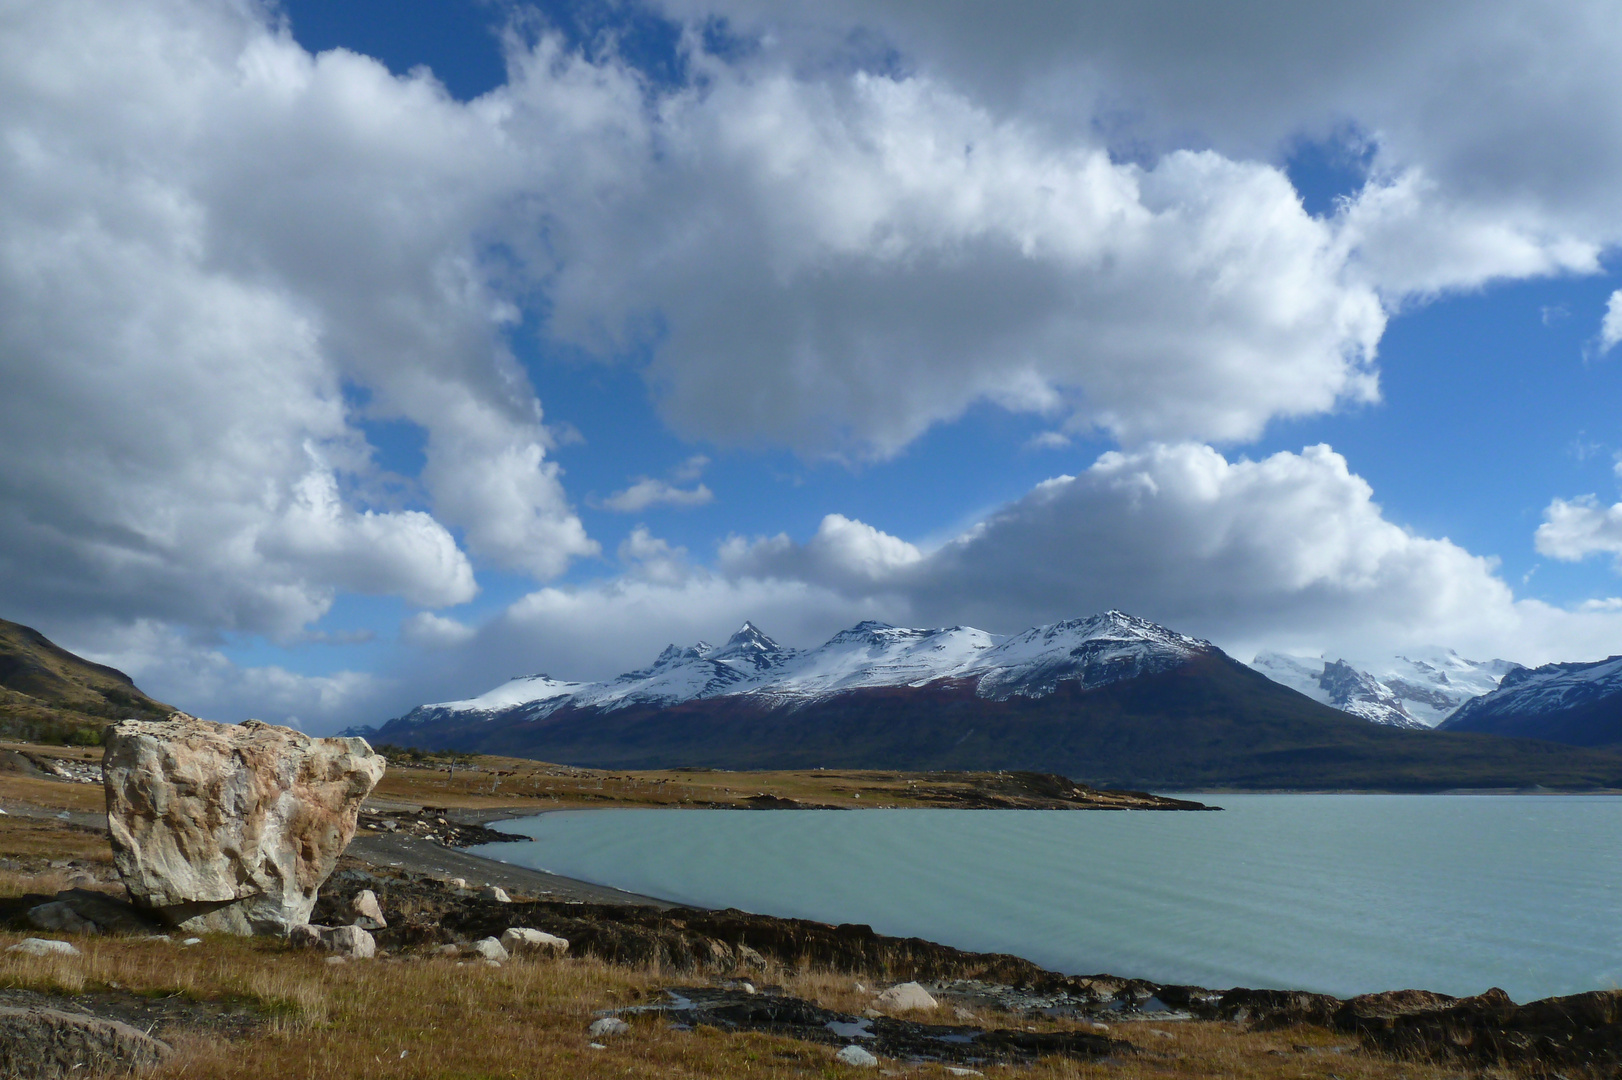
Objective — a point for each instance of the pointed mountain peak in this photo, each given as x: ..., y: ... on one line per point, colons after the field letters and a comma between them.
x: 750, y: 646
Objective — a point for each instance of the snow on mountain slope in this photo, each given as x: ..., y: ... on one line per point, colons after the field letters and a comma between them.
x: 1103, y: 649
x: 1095, y: 651
x: 1545, y: 691
x: 1416, y: 691
x: 523, y: 690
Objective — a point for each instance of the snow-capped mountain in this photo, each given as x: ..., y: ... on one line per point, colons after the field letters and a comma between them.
x: 1417, y: 691
x: 1578, y: 703
x: 1091, y: 652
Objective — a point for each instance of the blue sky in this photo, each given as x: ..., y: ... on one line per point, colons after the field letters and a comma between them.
x: 388, y: 312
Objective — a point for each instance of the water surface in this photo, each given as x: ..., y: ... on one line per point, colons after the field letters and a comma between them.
x: 1343, y: 894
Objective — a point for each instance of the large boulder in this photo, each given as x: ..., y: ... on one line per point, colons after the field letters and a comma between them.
x: 230, y: 827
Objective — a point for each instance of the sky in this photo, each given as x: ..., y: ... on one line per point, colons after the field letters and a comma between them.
x: 359, y: 355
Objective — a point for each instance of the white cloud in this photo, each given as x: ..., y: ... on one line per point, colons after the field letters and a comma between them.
x: 1575, y: 529
x: 1513, y: 113
x: 1252, y: 554
x: 647, y: 492
x: 427, y: 630
x: 204, y: 682
x: 649, y: 558
x: 840, y: 264
x: 1610, y: 330
x: 211, y: 241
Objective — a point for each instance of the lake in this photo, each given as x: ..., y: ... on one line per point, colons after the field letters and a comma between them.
x: 1343, y: 894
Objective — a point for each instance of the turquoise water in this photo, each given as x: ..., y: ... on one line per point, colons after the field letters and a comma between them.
x: 1343, y: 894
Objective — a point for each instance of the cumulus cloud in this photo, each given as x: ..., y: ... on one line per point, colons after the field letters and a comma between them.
x: 1610, y: 330
x: 1291, y: 550
x: 1572, y: 530
x: 428, y: 630
x: 1514, y: 116
x: 840, y: 264
x: 647, y: 492
x: 222, y: 256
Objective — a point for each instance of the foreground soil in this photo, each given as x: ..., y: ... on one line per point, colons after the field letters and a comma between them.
x: 757, y: 991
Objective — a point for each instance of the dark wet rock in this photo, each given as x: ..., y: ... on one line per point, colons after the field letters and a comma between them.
x: 1581, y: 1033
x: 1268, y: 1010
x: 48, y: 1044
x: 435, y: 824
x: 79, y: 911
x: 779, y: 1014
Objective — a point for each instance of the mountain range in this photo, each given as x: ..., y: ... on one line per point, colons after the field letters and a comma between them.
x: 1110, y: 699
x: 1577, y: 703
x: 1417, y: 691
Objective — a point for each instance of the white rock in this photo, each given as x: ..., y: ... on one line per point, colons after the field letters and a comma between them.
x: 366, y: 913
x: 955, y: 1071
x: 906, y: 997
x: 495, y: 893
x: 855, y: 1055
x: 489, y: 949
x: 518, y: 940
x: 349, y: 941
x: 608, y: 1025
x: 230, y: 827
x: 35, y: 946
x: 457, y: 883
x: 60, y: 917
x: 192, y: 941
x: 335, y: 960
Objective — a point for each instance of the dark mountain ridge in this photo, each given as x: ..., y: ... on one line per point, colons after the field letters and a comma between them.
x: 1172, y: 713
x: 1575, y: 703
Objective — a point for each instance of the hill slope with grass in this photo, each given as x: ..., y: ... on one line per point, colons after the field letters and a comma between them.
x: 48, y: 694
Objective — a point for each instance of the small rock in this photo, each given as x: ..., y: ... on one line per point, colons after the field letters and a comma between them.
x: 350, y: 941
x: 457, y: 883
x: 597, y: 1046
x: 489, y: 949
x: 35, y: 946
x: 955, y: 1071
x: 906, y: 997
x: 192, y: 941
x: 495, y: 893
x: 523, y: 939
x: 1100, y: 1027
x: 366, y: 913
x: 860, y: 989
x: 749, y: 957
x: 59, y: 917
x: 608, y: 1025
x: 747, y: 987
x: 855, y: 1055
x: 336, y: 960
x: 963, y: 1014
x: 1157, y: 1033
x: 450, y: 950
x: 305, y: 937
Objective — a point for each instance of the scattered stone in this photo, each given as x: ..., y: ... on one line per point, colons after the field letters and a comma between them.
x: 35, y: 946
x: 906, y: 997
x: 231, y: 827
x: 746, y: 986
x: 1157, y: 1033
x: 608, y: 1025
x: 365, y: 912
x: 597, y: 1046
x: 954, y: 1070
x: 749, y: 957
x: 60, y: 917
x: 350, y: 941
x: 47, y: 1044
x: 855, y: 1055
x: 347, y: 941
x: 964, y: 1014
x: 457, y: 883
x: 334, y: 960
x: 518, y: 940
x: 102, y: 913
x: 489, y: 949
x: 192, y: 941
x: 495, y: 893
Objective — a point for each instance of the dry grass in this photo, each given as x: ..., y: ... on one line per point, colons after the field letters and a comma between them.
x: 440, y: 1019
x: 52, y: 794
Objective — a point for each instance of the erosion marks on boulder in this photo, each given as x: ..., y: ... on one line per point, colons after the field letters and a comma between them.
x: 230, y: 827
x: 46, y: 1044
